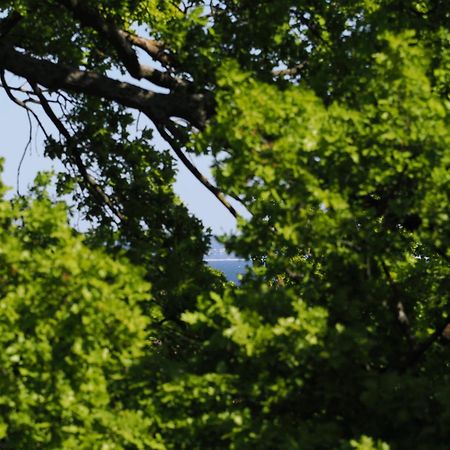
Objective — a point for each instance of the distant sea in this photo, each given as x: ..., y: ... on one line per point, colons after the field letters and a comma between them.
x: 231, y: 267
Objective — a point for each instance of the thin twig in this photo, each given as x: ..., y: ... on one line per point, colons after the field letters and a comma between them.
x: 29, y: 112
x: 92, y: 184
x: 20, y: 103
x: 27, y: 146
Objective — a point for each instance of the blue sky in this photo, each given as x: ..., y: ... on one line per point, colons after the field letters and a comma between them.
x: 14, y: 132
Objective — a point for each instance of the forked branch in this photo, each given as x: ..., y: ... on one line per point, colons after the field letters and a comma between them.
x: 421, y: 349
x: 90, y: 17
x: 90, y: 181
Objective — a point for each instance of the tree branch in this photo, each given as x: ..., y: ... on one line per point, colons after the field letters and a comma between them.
x: 89, y: 17
x: 420, y: 350
x: 153, y: 48
x: 9, y: 22
x: 289, y: 71
x: 91, y: 183
x: 197, y: 174
x: 194, y: 108
x: 19, y: 102
x: 158, y: 107
x: 398, y: 307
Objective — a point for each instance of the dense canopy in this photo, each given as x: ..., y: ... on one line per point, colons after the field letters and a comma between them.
x: 328, y: 121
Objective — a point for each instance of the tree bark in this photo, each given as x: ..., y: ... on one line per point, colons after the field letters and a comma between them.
x: 158, y: 107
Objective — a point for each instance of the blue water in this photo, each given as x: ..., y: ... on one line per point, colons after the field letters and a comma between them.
x: 231, y: 268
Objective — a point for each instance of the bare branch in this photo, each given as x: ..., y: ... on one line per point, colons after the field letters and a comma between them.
x: 290, y: 71
x: 89, y: 17
x: 27, y: 146
x: 197, y: 174
x: 153, y: 48
x: 20, y: 103
x: 158, y: 107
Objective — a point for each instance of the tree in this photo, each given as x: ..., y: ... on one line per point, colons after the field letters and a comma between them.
x: 329, y: 122
x: 71, y: 328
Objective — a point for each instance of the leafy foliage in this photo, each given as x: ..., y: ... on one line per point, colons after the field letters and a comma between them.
x: 329, y: 122
x: 72, y: 327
